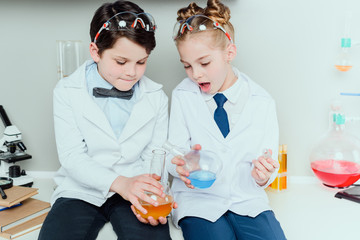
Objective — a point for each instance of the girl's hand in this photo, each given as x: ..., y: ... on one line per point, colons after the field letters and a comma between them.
x: 134, y: 188
x: 150, y: 220
x: 263, y: 168
x: 181, y: 170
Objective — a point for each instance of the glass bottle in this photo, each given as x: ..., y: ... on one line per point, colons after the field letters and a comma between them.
x: 335, y: 160
x: 68, y: 57
x: 343, y: 62
x: 202, y: 165
x: 165, y: 206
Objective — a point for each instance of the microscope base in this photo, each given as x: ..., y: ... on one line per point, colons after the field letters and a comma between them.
x: 24, y: 181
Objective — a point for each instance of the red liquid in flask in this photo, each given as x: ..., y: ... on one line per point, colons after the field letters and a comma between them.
x: 335, y: 173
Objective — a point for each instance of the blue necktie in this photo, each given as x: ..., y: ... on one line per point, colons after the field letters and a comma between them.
x: 220, y: 115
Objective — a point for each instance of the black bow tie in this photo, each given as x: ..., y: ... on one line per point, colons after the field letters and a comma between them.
x: 103, y: 93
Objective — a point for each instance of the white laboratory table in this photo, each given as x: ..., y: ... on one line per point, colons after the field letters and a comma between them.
x: 310, y: 211
x: 306, y: 211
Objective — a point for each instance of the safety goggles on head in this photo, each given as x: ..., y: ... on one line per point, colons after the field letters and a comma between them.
x: 128, y: 20
x: 197, y: 23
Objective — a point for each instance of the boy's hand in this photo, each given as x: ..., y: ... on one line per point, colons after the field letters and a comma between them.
x: 135, y: 188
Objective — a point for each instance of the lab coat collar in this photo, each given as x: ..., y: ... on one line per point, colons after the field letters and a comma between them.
x: 232, y: 94
x: 91, y: 111
x: 255, y: 89
x: 246, y: 116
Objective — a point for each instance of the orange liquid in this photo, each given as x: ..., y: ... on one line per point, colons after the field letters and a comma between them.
x: 343, y: 68
x: 164, y: 208
x: 280, y: 182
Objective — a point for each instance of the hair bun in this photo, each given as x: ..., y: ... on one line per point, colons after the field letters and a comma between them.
x: 217, y: 11
x: 191, y: 10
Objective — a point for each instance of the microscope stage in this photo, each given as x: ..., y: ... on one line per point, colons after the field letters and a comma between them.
x: 14, y: 157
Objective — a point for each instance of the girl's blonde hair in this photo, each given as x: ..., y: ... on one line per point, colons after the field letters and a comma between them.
x: 216, y: 11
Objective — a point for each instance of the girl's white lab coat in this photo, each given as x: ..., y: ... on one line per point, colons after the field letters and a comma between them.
x: 91, y: 156
x: 255, y: 129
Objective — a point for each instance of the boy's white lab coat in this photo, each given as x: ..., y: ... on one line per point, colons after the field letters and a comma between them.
x: 91, y: 156
x: 255, y: 128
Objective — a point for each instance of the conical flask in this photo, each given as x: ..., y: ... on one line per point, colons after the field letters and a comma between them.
x: 164, y: 208
x: 202, y: 165
x: 335, y: 160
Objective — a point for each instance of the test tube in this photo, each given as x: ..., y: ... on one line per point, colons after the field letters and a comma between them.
x: 280, y: 182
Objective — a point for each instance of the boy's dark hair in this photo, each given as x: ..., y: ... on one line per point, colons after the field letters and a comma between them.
x: 107, y: 39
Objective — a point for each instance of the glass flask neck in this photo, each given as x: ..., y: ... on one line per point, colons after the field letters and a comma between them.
x: 173, y: 149
x: 157, y: 165
x: 338, y: 128
x: 186, y: 156
x: 338, y: 122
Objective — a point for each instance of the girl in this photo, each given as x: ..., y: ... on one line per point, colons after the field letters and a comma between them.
x: 228, y: 113
x: 108, y: 118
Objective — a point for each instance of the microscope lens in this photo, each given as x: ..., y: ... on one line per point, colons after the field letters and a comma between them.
x: 12, y: 147
x: 21, y: 145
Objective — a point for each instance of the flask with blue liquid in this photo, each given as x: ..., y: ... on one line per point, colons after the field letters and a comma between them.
x: 202, y: 165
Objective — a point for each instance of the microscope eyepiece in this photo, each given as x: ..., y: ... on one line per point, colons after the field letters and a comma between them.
x: 4, y: 117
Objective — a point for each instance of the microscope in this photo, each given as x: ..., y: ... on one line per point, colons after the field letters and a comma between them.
x: 12, y: 150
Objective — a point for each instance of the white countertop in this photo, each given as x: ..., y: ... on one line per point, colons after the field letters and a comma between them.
x: 306, y: 211
x: 311, y: 212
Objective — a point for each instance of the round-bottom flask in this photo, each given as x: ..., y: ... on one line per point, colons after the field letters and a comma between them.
x: 202, y: 165
x: 335, y: 160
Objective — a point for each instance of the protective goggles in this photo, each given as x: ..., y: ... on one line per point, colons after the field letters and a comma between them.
x: 197, y: 23
x: 124, y: 21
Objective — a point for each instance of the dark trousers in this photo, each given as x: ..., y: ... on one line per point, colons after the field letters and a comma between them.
x: 73, y: 219
x: 233, y: 227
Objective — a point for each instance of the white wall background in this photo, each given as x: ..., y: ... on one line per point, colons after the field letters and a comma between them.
x: 288, y: 47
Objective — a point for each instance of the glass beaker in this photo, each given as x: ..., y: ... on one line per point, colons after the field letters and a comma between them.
x: 165, y: 203
x: 335, y: 160
x: 202, y: 165
x: 69, y: 57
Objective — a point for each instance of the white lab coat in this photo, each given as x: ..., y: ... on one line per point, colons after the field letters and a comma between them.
x: 91, y: 156
x: 234, y: 189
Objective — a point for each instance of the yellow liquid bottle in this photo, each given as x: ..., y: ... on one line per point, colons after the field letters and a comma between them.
x: 280, y: 182
x: 283, y: 167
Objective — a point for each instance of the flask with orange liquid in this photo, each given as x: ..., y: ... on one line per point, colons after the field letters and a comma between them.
x: 165, y: 204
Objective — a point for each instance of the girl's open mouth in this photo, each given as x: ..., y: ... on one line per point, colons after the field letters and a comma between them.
x: 205, y: 86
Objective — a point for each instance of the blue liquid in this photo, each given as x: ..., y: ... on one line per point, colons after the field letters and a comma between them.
x: 202, y: 179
